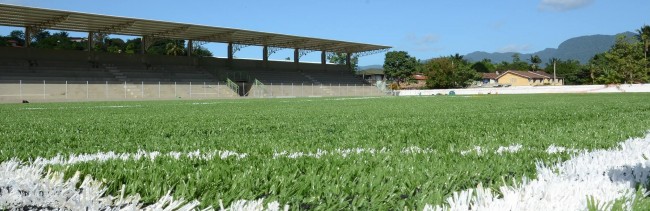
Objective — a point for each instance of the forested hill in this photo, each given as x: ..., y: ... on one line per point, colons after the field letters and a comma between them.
x: 580, y: 48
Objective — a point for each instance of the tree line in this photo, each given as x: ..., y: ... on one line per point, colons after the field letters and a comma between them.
x: 625, y: 62
x: 103, y: 43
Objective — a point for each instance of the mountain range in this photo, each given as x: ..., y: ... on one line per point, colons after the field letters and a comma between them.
x: 580, y: 48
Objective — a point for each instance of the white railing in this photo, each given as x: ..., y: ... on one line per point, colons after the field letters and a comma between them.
x: 113, y: 90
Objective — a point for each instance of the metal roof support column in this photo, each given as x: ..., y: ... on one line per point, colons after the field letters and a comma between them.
x: 265, y: 56
x: 190, y: 48
x: 231, y: 55
x: 296, y: 57
x: 230, y: 52
x: 143, y: 48
x: 265, y: 53
x: 323, y: 57
x: 90, y: 41
x: 28, y: 36
x: 348, y: 60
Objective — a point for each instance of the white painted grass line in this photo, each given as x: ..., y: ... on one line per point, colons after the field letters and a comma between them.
x: 140, y: 155
x: 558, y: 149
x: 509, y: 149
x: 353, y: 98
x: 605, y: 175
x: 350, y: 151
x: 198, y: 155
x: 78, y: 107
x: 23, y: 187
x: 515, y: 148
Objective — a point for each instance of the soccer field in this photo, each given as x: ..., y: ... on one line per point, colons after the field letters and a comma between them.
x: 318, y: 153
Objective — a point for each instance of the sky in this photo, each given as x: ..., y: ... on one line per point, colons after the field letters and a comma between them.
x: 423, y: 28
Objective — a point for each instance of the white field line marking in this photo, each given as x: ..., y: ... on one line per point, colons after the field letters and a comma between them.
x: 105, y: 156
x: 226, y: 154
x: 515, y: 148
x: 353, y: 98
x: 23, y: 187
x: 351, y: 151
x: 214, y: 103
x: 606, y: 175
x: 510, y: 149
x: 78, y: 107
x: 334, y: 99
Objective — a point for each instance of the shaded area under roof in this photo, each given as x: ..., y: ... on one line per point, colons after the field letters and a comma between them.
x: 38, y: 18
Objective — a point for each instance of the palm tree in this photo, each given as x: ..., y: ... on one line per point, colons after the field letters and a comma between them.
x: 644, y: 37
x: 99, y: 39
x: 173, y: 49
x: 554, y: 62
x: 456, y: 57
x: 535, y: 60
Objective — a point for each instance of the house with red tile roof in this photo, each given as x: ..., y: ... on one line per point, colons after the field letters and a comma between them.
x: 528, y: 78
x: 488, y: 79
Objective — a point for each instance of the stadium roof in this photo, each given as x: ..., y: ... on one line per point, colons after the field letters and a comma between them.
x: 38, y: 18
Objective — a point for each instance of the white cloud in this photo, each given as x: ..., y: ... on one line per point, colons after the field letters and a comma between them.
x: 424, y: 42
x: 563, y: 5
x: 515, y: 48
x: 428, y: 49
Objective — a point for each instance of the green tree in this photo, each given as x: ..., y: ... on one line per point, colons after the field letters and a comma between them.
x: 596, y: 68
x: 39, y: 36
x: 628, y: 61
x: 339, y: 58
x: 59, y: 40
x: 174, y: 49
x: 569, y: 70
x: 133, y: 46
x: 18, y: 36
x: 162, y: 47
x: 115, y: 45
x: 99, y: 42
x: 447, y: 72
x: 516, y: 57
x: 200, y: 51
x: 456, y: 59
x: 399, y: 66
x: 535, y: 61
x: 644, y: 37
x: 484, y: 66
x: 517, y: 64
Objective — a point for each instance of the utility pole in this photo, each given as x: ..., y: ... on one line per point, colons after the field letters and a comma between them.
x: 554, y: 76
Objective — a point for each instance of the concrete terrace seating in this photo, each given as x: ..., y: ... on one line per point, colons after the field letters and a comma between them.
x: 337, y: 77
x: 163, y: 73
x: 306, y: 77
x: 278, y: 77
x: 45, y: 74
x: 33, y: 64
x: 69, y: 71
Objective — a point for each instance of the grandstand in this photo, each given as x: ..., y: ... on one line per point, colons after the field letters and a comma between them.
x: 57, y: 75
